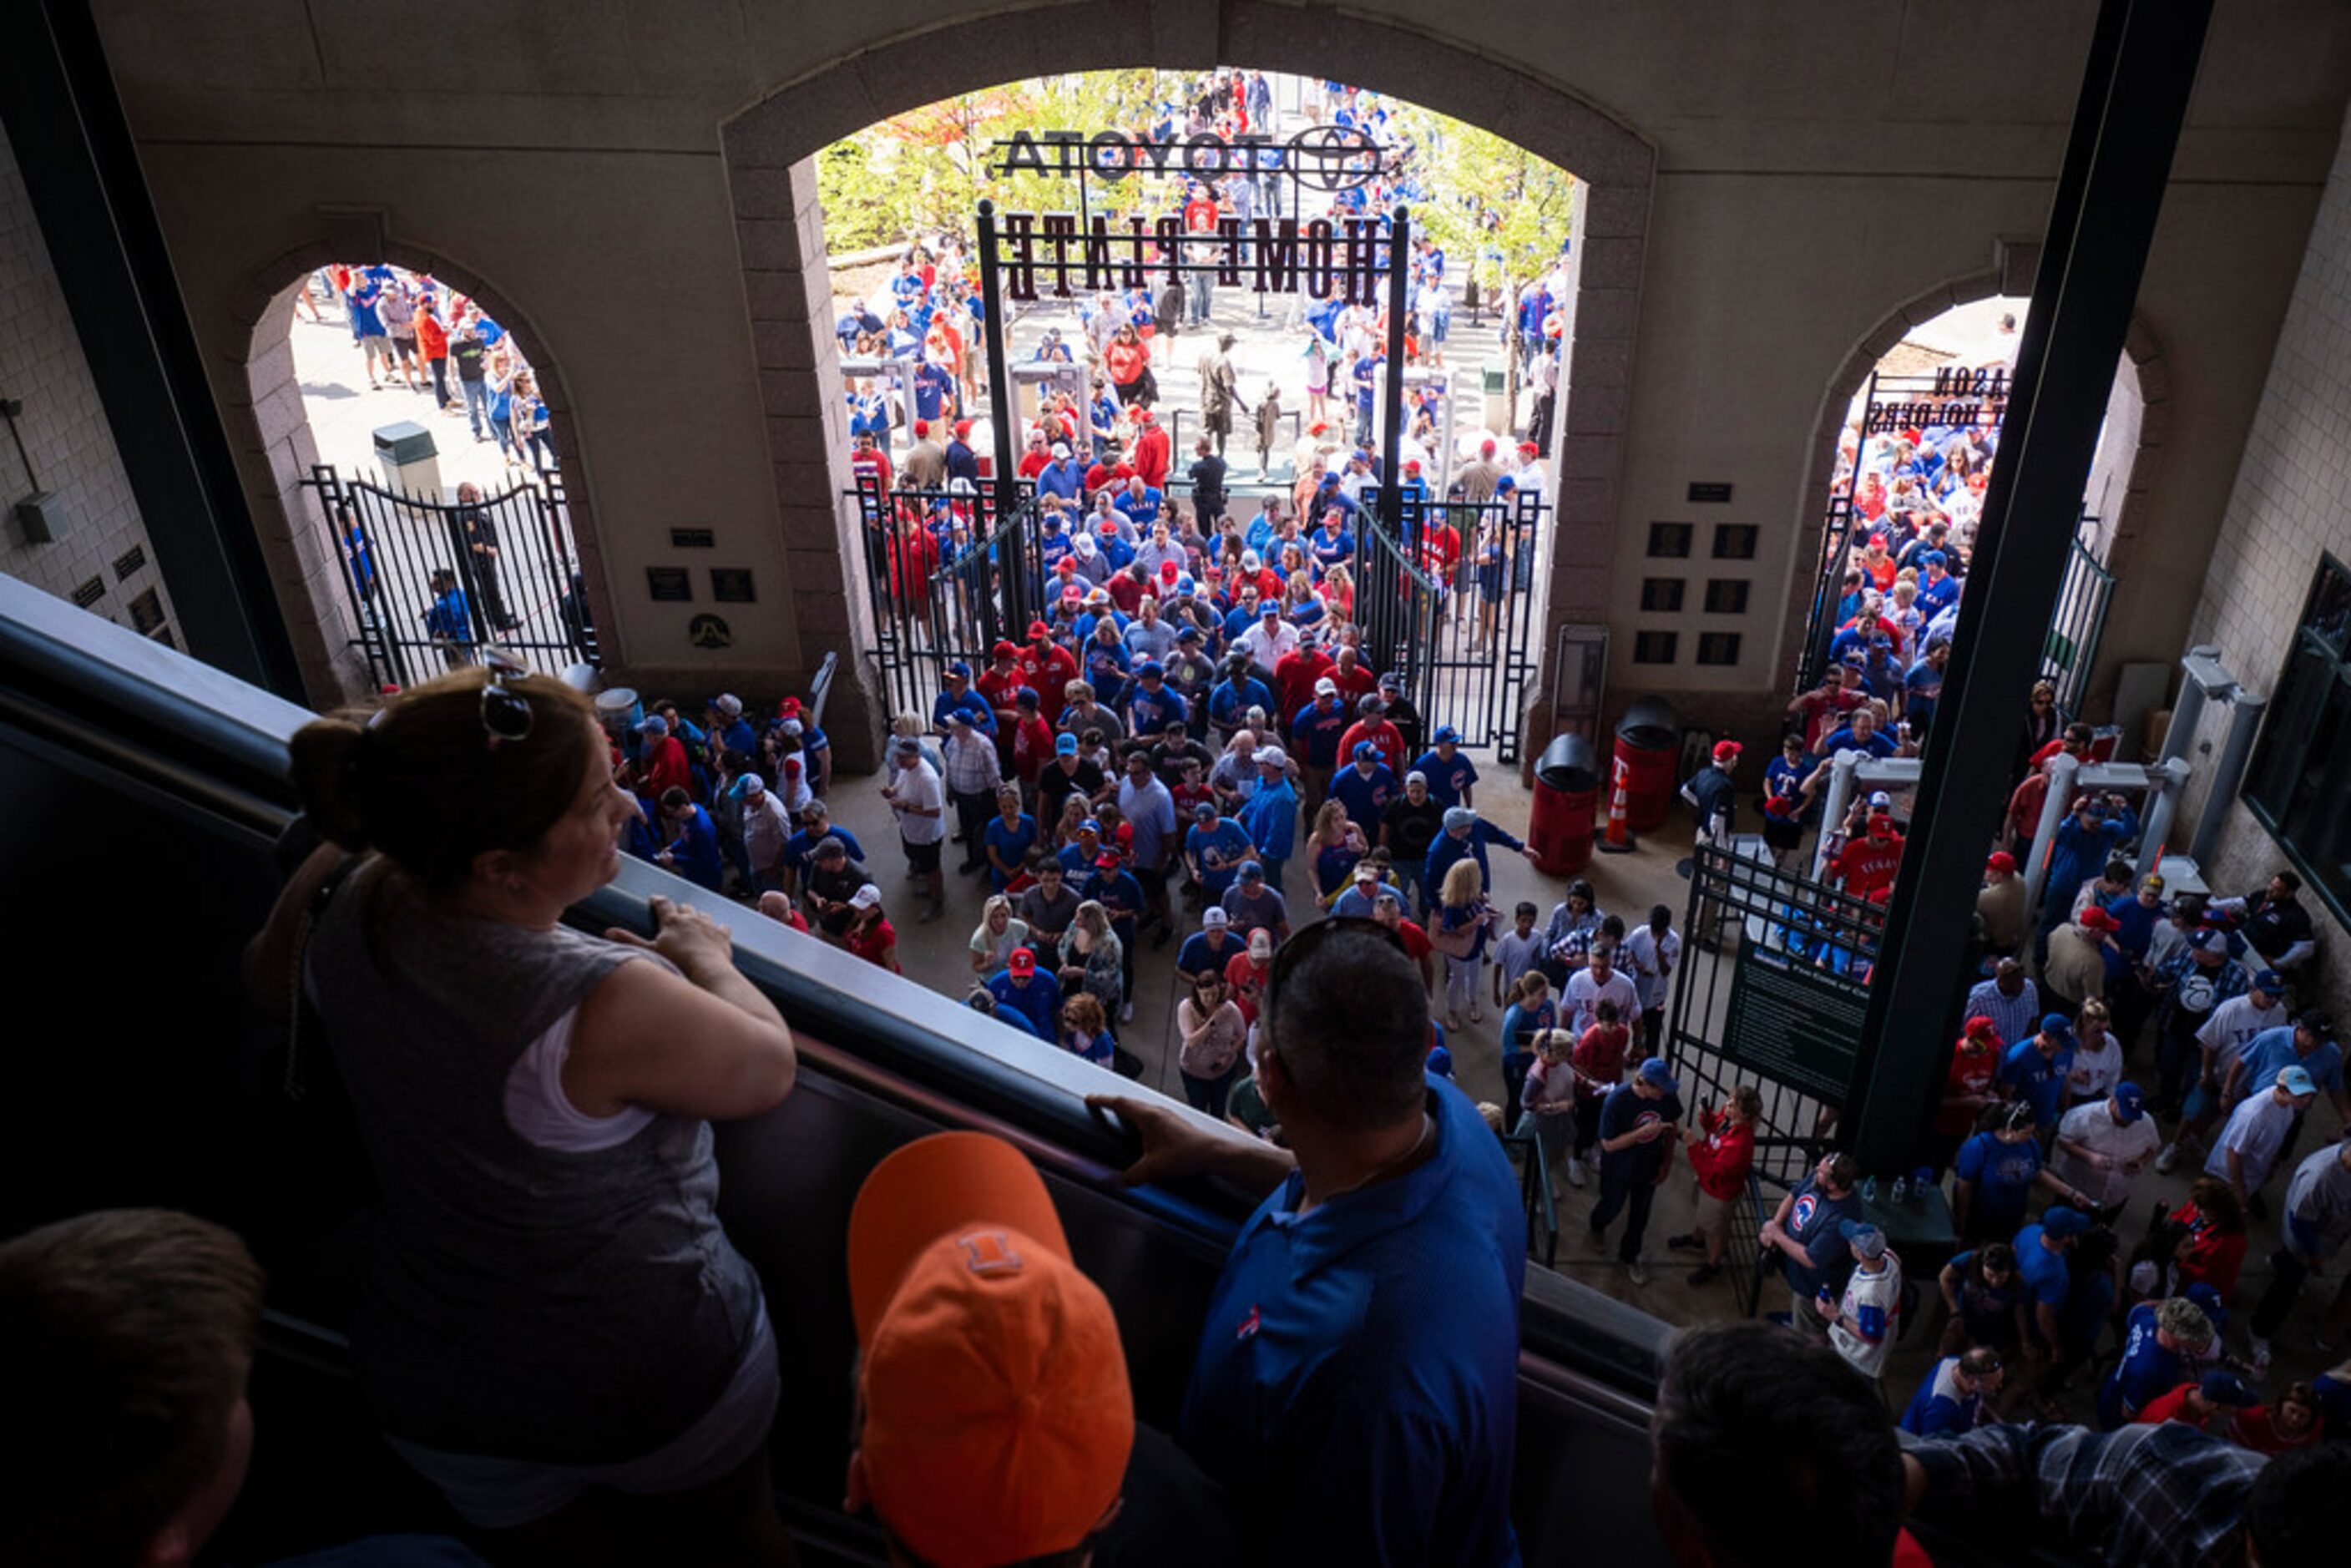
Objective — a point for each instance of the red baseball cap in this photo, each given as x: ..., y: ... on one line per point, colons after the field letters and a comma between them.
x: 1880, y: 823
x: 922, y: 427
x: 2000, y: 861
x: 2097, y: 919
x: 1982, y: 1028
x: 963, y: 430
x: 1022, y: 961
x: 1727, y: 750
x: 1038, y: 629
x: 999, y: 1421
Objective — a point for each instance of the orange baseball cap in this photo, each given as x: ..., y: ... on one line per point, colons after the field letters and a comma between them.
x: 997, y: 1418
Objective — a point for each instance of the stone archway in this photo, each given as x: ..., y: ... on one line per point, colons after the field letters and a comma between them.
x: 770, y: 147
x: 269, y: 434
x: 2011, y: 274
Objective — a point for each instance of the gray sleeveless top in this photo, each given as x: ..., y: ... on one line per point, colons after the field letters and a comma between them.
x: 522, y: 1302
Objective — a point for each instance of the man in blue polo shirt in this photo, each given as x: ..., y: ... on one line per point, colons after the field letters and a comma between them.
x: 1214, y: 849
x: 1353, y: 1412
x: 1364, y: 787
x: 2035, y: 1069
x: 955, y: 695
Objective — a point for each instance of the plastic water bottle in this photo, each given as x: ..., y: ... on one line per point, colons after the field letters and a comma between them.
x: 1902, y: 1191
x: 1869, y: 1189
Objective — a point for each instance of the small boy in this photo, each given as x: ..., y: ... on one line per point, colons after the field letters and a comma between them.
x: 1517, y: 953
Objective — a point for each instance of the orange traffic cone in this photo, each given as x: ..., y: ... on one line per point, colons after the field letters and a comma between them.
x: 1619, y: 841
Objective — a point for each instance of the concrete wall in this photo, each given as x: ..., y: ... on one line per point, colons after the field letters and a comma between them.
x: 1809, y: 170
x: 2288, y: 506
x: 66, y: 436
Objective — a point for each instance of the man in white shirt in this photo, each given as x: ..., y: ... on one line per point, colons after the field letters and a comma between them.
x: 2102, y: 1145
x: 2223, y: 1037
x: 1269, y: 639
x: 2258, y: 1131
x: 1597, y: 982
x: 1862, y: 1323
x: 1655, y: 955
x: 919, y: 801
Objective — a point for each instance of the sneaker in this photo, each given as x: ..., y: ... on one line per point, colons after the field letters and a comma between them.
x: 1704, y: 1274
x: 2260, y: 1356
x: 1575, y: 1172
x: 1596, y: 1239
x: 2167, y: 1161
x: 1684, y: 1243
x: 1637, y: 1271
x: 1127, y: 1013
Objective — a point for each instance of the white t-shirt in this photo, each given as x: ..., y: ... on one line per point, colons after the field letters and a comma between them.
x: 2256, y: 1131
x: 2232, y: 1023
x: 2093, y: 1126
x: 1584, y: 995
x: 2096, y: 1073
x: 1872, y: 1300
x: 919, y: 785
x: 1653, y: 979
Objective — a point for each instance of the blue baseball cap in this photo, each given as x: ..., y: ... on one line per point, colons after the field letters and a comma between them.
x: 2131, y: 1101
x: 1252, y: 871
x: 2225, y: 1388
x: 1365, y: 748
x: 2207, y: 1298
x: 2205, y: 941
x: 1657, y: 1076
x: 1189, y: 634
x: 1089, y: 826
x: 2056, y: 1026
x: 2062, y: 1221
x: 1440, y: 1061
x: 1932, y: 558
x: 1184, y: 585
x: 957, y: 668
x: 2270, y: 981
x: 1026, y: 697
x: 1066, y: 745
x: 1148, y: 668
x: 1865, y: 1236
x: 1445, y: 733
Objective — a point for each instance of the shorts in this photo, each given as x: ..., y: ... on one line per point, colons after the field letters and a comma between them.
x: 404, y: 346
x: 1782, y: 833
x: 922, y: 858
x: 375, y: 345
x: 503, y: 1494
x: 1713, y: 1214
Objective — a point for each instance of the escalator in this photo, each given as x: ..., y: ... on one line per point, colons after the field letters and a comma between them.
x: 146, y: 799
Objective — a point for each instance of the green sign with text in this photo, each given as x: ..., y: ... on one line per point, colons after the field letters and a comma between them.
x: 1794, y: 1023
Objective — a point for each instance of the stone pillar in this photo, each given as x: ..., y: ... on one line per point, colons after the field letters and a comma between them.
x: 781, y: 227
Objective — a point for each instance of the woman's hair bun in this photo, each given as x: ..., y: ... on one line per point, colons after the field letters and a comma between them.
x: 327, y: 763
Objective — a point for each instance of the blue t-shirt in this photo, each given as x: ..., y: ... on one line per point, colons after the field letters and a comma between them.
x: 1368, y: 1351
x: 1196, y: 957
x: 1448, y: 781
x: 694, y: 850
x: 2145, y: 1370
x: 1625, y: 1109
x: 2044, y: 1272
x: 983, y: 717
x: 1011, y: 842
x: 1151, y: 712
x: 1230, y: 700
x: 1317, y: 729
x: 1366, y: 799
x: 2039, y: 1081
x: 2003, y: 1175
x: 1040, y: 1001
x: 1940, y: 1407
x: 2271, y: 1052
x: 1811, y: 1223
x: 1219, y: 847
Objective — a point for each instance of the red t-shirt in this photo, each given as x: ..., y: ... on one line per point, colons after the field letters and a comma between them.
x: 873, y: 942
x: 2167, y: 1407
x: 2211, y: 1256
x: 1599, y: 1056
x: 2256, y: 1428
x: 1868, y: 865
x: 1974, y: 1066
x: 1032, y: 743
x: 1417, y: 945
x: 1246, y: 977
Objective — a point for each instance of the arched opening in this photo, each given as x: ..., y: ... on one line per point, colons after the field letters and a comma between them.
x: 400, y: 543
x: 1910, y: 428
x: 770, y: 150
x: 1213, y: 394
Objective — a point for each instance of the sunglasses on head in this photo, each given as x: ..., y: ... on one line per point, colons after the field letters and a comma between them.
x: 506, y: 713
x: 1302, y: 946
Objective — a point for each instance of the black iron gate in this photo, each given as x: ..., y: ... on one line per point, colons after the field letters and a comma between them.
x: 947, y: 578
x: 1473, y: 662
x: 431, y: 582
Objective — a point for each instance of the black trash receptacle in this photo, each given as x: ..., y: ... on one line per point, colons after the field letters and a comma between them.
x: 1567, y: 794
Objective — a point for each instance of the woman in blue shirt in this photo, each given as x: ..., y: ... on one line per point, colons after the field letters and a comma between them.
x: 1008, y: 838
